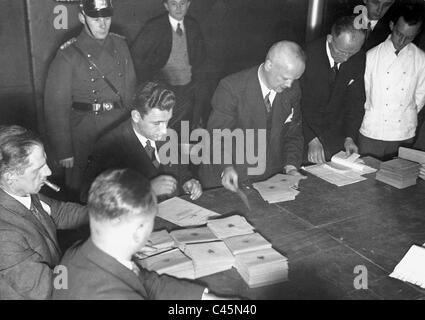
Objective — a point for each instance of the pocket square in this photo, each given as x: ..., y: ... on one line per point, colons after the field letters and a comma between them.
x: 289, y: 119
x: 351, y: 82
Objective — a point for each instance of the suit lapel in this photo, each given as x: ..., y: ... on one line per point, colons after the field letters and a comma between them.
x: 112, y: 266
x: 255, y: 100
x: 17, y: 208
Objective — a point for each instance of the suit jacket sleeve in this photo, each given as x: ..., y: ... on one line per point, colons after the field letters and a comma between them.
x: 23, y: 268
x: 130, y: 80
x: 198, y: 46
x: 168, y: 288
x: 57, y: 106
x: 293, y: 140
x: 67, y: 215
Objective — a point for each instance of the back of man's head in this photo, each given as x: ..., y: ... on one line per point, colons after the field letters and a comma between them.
x: 347, y: 25
x: 152, y: 95
x: 412, y: 13
x: 120, y: 194
x: 16, y: 143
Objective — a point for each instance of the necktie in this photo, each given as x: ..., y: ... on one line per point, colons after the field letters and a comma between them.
x: 37, y: 210
x: 369, y: 29
x: 334, y: 73
x: 397, y: 52
x: 268, y: 110
x: 179, y: 30
x: 151, y: 154
x: 135, y: 268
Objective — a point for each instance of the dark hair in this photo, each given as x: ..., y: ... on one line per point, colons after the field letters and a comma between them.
x: 16, y: 143
x: 412, y: 13
x: 117, y: 193
x: 345, y: 24
x: 153, y: 95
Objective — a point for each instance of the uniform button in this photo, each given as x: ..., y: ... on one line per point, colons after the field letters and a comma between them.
x: 91, y: 68
x: 88, y: 55
x: 92, y: 79
x: 96, y: 101
x: 118, y: 63
x: 119, y: 74
x: 386, y: 104
x: 402, y: 89
x: 94, y: 91
x: 387, y: 88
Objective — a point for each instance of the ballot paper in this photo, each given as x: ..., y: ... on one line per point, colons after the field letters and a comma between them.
x: 412, y: 267
x: 229, y: 227
x: 174, y: 263
x: 338, y: 177
x: 209, y: 258
x: 192, y: 235
x: 263, y: 267
x: 247, y: 243
x: 158, y: 242
x: 184, y: 213
x: 278, y: 188
x: 350, y: 162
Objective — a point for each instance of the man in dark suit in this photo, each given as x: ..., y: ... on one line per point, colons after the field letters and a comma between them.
x: 377, y: 22
x: 420, y: 144
x: 333, y: 96
x: 265, y: 99
x: 122, y: 210
x: 136, y: 142
x: 171, y: 48
x: 29, y: 249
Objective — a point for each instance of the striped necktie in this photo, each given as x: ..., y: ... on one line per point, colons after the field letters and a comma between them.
x: 151, y: 153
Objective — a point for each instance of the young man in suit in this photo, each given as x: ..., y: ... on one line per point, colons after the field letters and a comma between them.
x: 266, y: 99
x: 122, y: 210
x: 135, y: 144
x: 89, y: 87
x: 333, y: 91
x: 171, y: 48
x: 377, y: 21
x: 395, y: 87
x: 29, y: 249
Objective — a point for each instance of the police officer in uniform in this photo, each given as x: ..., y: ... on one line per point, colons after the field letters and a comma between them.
x: 88, y: 89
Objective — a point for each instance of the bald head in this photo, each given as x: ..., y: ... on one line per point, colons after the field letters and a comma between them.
x: 285, y: 62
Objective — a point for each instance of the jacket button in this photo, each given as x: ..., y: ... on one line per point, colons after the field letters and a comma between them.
x: 94, y: 91
x: 119, y: 74
x: 92, y: 79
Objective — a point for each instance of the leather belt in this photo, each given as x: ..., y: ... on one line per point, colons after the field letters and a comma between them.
x: 95, y: 107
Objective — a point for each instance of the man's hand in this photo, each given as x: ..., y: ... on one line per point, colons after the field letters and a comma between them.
x: 350, y: 146
x: 162, y: 185
x: 316, y: 154
x: 229, y: 179
x: 292, y: 171
x: 194, y: 188
x: 67, y: 163
x: 422, y: 172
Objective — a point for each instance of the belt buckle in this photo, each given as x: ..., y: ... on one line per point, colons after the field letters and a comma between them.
x: 96, y: 107
x: 108, y: 106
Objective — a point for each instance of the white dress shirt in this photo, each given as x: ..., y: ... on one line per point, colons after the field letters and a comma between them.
x: 264, y: 89
x: 26, y: 202
x: 395, y: 92
x: 143, y: 140
x: 175, y: 22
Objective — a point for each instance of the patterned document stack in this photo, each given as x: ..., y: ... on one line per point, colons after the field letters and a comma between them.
x: 183, y: 237
x: 158, y: 242
x: 278, y: 188
x: 399, y: 173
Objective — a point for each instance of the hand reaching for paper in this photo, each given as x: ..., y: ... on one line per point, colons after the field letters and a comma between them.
x: 350, y: 147
x: 229, y: 179
x: 194, y: 188
x: 163, y: 185
x: 316, y: 153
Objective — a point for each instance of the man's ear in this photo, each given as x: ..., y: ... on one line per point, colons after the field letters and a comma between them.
x: 8, y: 178
x: 329, y: 38
x: 81, y: 18
x: 166, y: 6
x: 391, y: 26
x: 188, y: 5
x: 135, y: 116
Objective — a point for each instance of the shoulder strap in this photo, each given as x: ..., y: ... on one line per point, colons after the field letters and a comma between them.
x: 91, y: 63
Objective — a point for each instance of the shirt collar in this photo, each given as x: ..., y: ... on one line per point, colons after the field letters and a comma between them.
x: 330, y: 58
x: 126, y: 263
x: 25, y: 201
x: 143, y: 139
x: 174, y: 23
x: 373, y: 23
x: 264, y: 89
x: 389, y: 46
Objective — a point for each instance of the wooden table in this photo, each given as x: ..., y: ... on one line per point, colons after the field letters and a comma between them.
x: 325, y: 233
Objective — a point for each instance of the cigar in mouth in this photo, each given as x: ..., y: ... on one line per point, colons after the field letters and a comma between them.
x: 52, y: 186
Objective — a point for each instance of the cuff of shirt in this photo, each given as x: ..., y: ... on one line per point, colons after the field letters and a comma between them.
x: 206, y: 291
x: 290, y: 167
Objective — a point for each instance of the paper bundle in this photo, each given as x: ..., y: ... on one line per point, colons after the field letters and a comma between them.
x: 351, y: 161
x: 278, y: 188
x: 174, y: 263
x: 412, y: 267
x: 229, y: 227
x: 399, y: 173
x: 260, y: 268
x: 247, y: 243
x: 193, y: 235
x: 209, y: 258
x: 158, y: 242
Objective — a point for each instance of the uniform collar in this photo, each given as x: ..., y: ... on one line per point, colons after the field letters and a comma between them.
x: 92, y: 46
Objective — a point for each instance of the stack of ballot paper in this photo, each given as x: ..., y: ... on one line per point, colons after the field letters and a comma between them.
x: 412, y: 267
x: 229, y: 227
x: 247, y: 243
x: 193, y: 235
x: 184, y: 213
x: 158, y: 242
x: 209, y: 258
x: 263, y: 267
x: 278, y: 188
x: 343, y: 161
x: 174, y: 263
x: 399, y: 173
